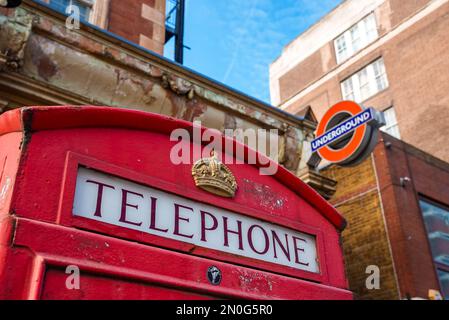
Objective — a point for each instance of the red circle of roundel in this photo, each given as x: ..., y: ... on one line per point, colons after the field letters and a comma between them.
x: 336, y: 156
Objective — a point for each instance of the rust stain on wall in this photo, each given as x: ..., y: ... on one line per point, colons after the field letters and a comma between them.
x: 45, y: 66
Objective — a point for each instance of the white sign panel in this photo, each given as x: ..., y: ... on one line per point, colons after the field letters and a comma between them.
x: 130, y: 205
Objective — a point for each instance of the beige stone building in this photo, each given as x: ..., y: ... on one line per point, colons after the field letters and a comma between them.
x: 389, y: 54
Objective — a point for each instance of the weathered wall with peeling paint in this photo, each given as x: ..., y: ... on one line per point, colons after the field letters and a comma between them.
x: 43, y: 63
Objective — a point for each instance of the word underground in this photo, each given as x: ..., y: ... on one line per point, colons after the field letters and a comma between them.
x: 342, y: 129
x: 123, y: 203
x: 265, y: 142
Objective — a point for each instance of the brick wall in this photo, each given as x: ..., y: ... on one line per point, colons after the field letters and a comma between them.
x: 365, y: 239
x: 385, y: 224
x: 401, y: 9
x: 429, y: 177
x: 139, y: 21
x: 301, y: 75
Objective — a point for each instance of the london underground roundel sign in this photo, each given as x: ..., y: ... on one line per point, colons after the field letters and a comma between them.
x: 346, y: 135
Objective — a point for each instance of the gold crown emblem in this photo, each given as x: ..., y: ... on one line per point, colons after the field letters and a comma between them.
x: 212, y: 175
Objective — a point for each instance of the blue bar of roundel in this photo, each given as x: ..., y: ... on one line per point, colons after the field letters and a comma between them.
x: 334, y: 129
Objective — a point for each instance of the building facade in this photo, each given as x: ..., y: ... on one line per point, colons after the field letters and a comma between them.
x: 397, y: 209
x: 387, y: 54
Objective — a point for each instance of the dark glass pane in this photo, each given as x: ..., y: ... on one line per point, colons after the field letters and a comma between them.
x: 444, y: 281
x: 437, y: 224
x: 436, y: 219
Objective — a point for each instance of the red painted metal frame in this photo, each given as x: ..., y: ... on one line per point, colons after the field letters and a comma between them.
x: 53, y: 118
x: 40, y: 234
x: 65, y: 217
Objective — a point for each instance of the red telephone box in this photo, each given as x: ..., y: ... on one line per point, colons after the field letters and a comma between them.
x: 94, y: 188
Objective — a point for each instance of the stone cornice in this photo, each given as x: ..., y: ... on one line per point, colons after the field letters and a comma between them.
x: 44, y: 63
x: 117, y: 50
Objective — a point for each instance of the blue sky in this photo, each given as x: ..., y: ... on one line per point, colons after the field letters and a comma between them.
x: 234, y: 41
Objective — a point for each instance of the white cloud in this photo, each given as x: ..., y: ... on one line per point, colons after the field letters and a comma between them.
x: 253, y: 35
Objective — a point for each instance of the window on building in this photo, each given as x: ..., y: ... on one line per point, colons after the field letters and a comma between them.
x: 365, y: 83
x: 391, y: 127
x: 436, y: 220
x: 85, y: 7
x: 443, y: 276
x: 370, y: 28
x: 356, y: 38
x: 380, y: 74
x: 348, y: 90
x: 342, y: 49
